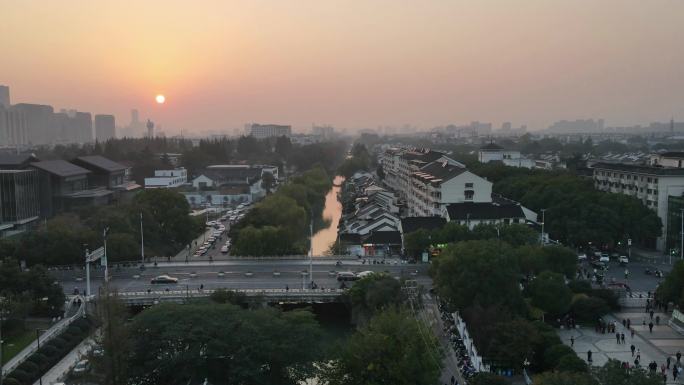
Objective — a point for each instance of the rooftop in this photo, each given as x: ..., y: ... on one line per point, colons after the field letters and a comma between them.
x: 491, y: 147
x: 438, y: 172
x: 60, y: 168
x: 641, y: 169
x: 16, y: 160
x: 101, y: 162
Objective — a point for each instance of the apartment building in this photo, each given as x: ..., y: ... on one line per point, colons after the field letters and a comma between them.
x: 399, y: 163
x: 439, y: 184
x: 167, y: 178
x: 653, y: 185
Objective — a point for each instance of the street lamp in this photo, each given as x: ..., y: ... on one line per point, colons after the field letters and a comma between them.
x: 542, y: 229
x: 40, y: 379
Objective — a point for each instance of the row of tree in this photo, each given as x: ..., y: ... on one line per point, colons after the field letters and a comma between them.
x: 279, y: 224
x: 167, y: 229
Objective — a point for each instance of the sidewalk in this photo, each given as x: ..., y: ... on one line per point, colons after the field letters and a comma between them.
x: 59, y: 371
x: 656, y: 346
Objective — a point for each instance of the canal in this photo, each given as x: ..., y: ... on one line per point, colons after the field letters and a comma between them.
x: 332, y: 212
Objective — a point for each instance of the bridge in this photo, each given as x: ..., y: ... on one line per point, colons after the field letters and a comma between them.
x: 147, y: 298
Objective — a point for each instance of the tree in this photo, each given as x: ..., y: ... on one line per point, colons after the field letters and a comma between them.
x: 180, y: 344
x: 672, y: 287
x: 514, y: 342
x: 267, y: 182
x: 114, y: 339
x: 612, y: 373
x: 571, y: 363
x: 416, y: 242
x: 228, y: 296
x: 554, y: 353
x: 478, y: 272
x: 391, y: 349
x: 550, y: 293
x: 373, y: 293
x: 564, y: 378
x: 484, y: 378
x: 589, y: 309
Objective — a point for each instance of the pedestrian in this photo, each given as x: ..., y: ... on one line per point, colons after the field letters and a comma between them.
x: 657, y: 320
x: 632, y: 348
x: 572, y: 341
x: 287, y: 288
x: 651, y: 314
x: 624, y: 323
x: 629, y: 323
x: 617, y: 338
x: 638, y: 354
x: 589, y: 356
x: 663, y: 369
x: 632, y: 330
x: 636, y: 362
x: 669, y: 359
x: 679, y: 357
x: 674, y: 373
x: 650, y: 327
x: 453, y: 380
x: 622, y: 338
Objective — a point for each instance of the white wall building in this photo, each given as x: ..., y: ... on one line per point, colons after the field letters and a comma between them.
x: 439, y: 184
x: 399, y: 163
x: 167, y: 178
x: 262, y: 131
x: 652, y: 185
x: 492, y: 152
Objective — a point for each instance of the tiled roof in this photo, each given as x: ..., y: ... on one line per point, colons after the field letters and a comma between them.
x: 411, y: 224
x: 7, y: 160
x: 438, y: 172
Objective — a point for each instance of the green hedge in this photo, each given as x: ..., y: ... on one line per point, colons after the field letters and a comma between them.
x: 49, y: 354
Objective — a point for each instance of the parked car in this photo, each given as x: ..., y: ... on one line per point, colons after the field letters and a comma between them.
x: 224, y: 249
x: 164, y: 279
x: 604, y: 258
x: 582, y: 257
x: 81, y: 367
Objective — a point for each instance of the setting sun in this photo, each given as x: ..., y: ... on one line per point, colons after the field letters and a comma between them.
x: 160, y: 99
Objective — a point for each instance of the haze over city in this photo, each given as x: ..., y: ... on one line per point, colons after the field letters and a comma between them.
x: 350, y: 64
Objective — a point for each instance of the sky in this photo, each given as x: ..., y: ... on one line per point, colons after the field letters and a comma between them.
x: 348, y: 63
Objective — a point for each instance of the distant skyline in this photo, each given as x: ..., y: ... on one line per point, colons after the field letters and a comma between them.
x: 351, y: 64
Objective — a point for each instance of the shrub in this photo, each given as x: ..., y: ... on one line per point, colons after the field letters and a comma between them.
x: 30, y: 368
x: 82, y: 323
x: 483, y: 378
x: 49, y: 350
x: 21, y: 376
x: 589, y: 309
x: 571, y: 363
x: 59, y: 342
x: 39, y: 359
x: 11, y: 381
x: 75, y: 330
x: 553, y: 354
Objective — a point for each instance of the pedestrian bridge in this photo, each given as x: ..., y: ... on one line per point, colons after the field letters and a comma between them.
x: 153, y: 297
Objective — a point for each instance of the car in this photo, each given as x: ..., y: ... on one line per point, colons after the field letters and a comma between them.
x: 364, y: 274
x: 346, y: 276
x: 221, y: 274
x: 97, y: 351
x: 211, y: 239
x: 81, y: 367
x: 604, y: 258
x: 164, y: 279
x: 623, y: 260
x: 224, y: 249
x: 582, y: 257
x: 249, y: 274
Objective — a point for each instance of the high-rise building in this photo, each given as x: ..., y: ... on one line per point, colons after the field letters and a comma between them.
x: 4, y: 96
x: 150, y: 129
x: 40, y: 124
x: 12, y: 127
x: 105, y: 127
x: 262, y: 131
x: 19, y: 200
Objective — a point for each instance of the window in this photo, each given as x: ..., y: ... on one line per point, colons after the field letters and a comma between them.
x: 469, y: 195
x: 469, y: 185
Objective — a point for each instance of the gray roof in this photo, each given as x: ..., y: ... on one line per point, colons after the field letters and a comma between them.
x: 641, y: 169
x: 60, y: 168
x: 101, y: 162
x: 438, y: 172
x: 16, y: 160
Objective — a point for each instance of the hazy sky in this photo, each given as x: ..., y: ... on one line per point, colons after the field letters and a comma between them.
x: 349, y: 63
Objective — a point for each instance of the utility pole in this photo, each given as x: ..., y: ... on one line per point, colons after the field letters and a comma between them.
x: 681, y: 235
x: 543, y: 220
x: 311, y: 251
x: 142, y: 242
x: 87, y: 261
x: 1, y: 371
x: 104, y: 259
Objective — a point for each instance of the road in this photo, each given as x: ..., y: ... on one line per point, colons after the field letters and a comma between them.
x: 238, y: 274
x: 638, y: 281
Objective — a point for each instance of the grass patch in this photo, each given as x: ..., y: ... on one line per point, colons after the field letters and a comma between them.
x: 16, y: 342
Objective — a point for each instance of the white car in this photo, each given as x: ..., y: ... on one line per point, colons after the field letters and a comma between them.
x: 364, y: 274
x: 224, y: 249
x: 604, y: 258
x: 582, y: 257
x: 623, y: 260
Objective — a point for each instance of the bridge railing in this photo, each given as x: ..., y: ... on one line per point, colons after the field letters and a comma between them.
x: 248, y: 292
